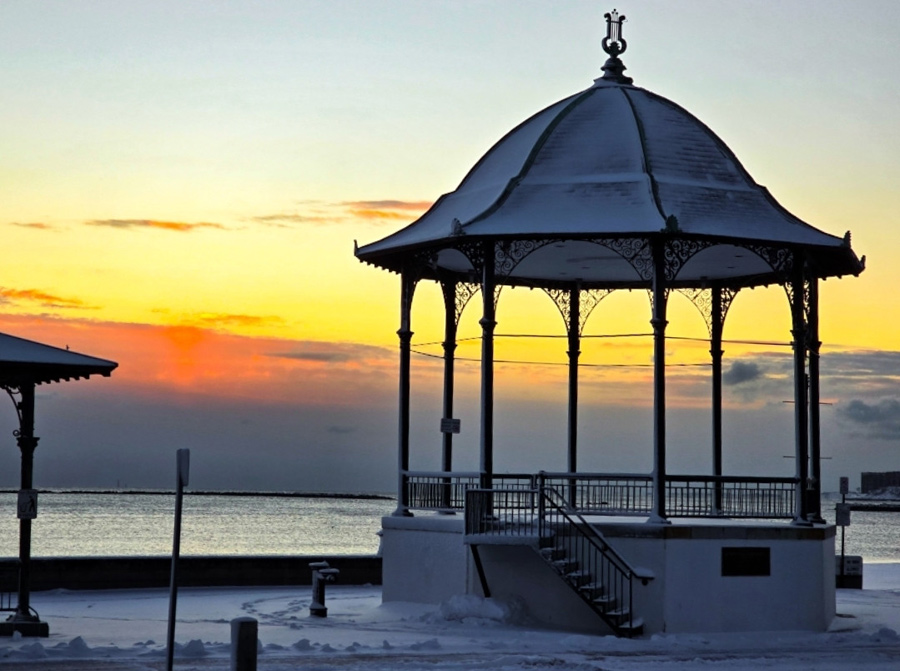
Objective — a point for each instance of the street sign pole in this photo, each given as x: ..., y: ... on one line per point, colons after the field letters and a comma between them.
x: 183, y: 460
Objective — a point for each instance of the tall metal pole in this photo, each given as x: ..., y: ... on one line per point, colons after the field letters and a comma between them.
x: 27, y: 443
x: 488, y: 324
x: 450, y: 326
x: 574, y: 352
x: 716, y: 352
x: 801, y: 423
x: 405, y: 334
x: 815, y: 439
x: 659, y: 324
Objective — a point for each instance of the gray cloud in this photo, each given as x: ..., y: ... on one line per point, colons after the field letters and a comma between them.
x: 741, y: 372
x: 334, y: 352
x: 342, y: 429
x: 880, y: 419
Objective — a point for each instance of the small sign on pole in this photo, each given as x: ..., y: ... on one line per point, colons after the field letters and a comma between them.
x: 842, y: 514
x: 27, y: 504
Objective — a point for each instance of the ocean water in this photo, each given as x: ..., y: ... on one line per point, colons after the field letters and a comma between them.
x: 116, y: 524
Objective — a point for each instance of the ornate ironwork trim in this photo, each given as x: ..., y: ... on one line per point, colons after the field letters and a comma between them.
x: 457, y: 296
x: 588, y: 299
x: 703, y: 301
x: 678, y: 251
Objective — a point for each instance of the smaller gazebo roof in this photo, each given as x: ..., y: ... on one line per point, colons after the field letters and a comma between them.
x: 28, y: 362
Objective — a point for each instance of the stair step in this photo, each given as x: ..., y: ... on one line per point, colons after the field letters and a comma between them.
x: 591, y: 589
x: 553, y: 554
x: 605, y: 602
x: 578, y: 578
x: 633, y: 628
x: 565, y: 565
x: 619, y: 614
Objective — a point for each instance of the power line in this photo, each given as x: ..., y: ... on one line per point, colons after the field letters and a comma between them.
x: 558, y: 363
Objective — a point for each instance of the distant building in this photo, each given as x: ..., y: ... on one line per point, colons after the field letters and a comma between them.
x: 872, y: 482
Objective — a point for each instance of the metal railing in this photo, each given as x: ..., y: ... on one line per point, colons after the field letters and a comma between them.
x: 502, y: 512
x: 604, y: 493
x: 446, y: 492
x: 9, y: 586
x: 731, y: 496
x: 602, y: 577
x: 621, y: 494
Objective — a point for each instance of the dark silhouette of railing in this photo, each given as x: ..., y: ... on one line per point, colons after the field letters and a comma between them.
x: 622, y: 494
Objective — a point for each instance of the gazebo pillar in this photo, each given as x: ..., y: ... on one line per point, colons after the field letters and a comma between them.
x: 488, y: 324
x: 23, y: 620
x: 716, y: 352
x: 801, y: 421
x: 659, y: 323
x: 450, y: 327
x: 407, y: 289
x: 574, y: 352
x: 815, y: 503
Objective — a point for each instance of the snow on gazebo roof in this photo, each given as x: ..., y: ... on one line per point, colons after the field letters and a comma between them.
x: 26, y: 361
x: 614, y: 161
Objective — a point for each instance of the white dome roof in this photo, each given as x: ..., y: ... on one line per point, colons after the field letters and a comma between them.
x: 614, y: 161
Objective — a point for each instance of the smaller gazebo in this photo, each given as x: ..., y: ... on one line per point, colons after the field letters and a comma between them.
x: 24, y: 364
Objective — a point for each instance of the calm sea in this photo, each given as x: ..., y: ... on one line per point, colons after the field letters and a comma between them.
x: 116, y: 524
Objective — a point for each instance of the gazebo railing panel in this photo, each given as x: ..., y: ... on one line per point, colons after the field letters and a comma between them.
x: 502, y: 512
x: 604, y: 493
x: 446, y: 492
x: 738, y: 496
x: 621, y: 494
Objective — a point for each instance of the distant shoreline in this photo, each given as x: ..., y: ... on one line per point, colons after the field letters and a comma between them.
x: 202, y: 492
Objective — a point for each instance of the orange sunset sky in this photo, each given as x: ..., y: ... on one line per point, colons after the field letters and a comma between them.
x: 182, y: 184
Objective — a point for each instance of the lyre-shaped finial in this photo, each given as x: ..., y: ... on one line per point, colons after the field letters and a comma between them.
x: 614, y: 44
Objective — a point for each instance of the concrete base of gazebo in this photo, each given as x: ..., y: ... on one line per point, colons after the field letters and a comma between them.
x: 708, y: 575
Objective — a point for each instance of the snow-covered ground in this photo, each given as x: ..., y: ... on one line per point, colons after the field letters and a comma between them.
x: 126, y: 629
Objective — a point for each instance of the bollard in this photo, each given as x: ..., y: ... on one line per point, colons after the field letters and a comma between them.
x: 321, y: 574
x: 243, y: 643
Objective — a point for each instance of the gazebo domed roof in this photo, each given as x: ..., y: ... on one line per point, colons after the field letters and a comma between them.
x: 613, y: 162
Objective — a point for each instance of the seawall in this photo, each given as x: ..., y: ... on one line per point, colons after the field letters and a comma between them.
x: 193, y: 571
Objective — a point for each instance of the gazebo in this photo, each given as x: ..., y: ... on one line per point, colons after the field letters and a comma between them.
x: 24, y: 364
x: 615, y: 188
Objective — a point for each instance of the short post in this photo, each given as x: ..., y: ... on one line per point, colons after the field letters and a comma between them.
x: 183, y: 462
x: 321, y: 574
x: 244, y: 643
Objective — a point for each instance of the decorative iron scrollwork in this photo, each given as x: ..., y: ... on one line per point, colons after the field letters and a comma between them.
x: 463, y: 294
x: 588, y: 299
x: 780, y: 259
x: 678, y: 251
x: 702, y: 299
x: 15, y: 395
x: 509, y: 253
x: 636, y: 251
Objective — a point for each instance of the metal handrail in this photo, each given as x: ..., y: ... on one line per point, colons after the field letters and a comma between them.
x: 579, y: 541
x: 543, y: 514
x: 621, y: 493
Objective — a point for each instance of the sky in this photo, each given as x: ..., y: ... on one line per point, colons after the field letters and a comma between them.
x: 182, y: 183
